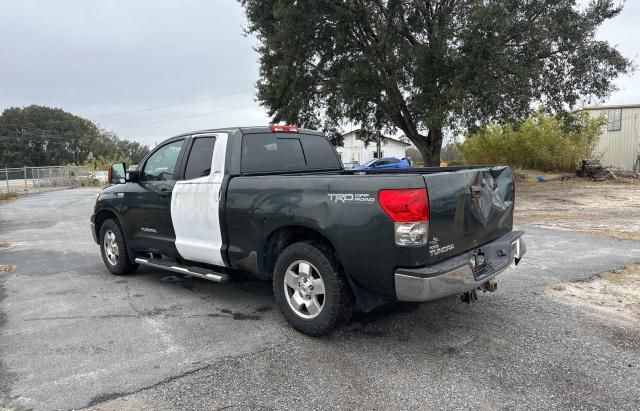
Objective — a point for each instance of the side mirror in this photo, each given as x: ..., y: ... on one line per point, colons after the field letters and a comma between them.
x: 133, y: 175
x: 117, y: 173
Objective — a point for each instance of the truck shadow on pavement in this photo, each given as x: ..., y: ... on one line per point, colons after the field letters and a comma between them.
x: 246, y: 298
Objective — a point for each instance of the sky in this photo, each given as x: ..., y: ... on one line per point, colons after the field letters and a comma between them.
x: 150, y: 69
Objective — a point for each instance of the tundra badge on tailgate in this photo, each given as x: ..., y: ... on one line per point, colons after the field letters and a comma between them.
x: 436, y: 249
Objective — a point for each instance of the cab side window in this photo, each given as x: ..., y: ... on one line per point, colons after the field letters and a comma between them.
x: 161, y: 166
x: 271, y: 152
x: 200, y: 157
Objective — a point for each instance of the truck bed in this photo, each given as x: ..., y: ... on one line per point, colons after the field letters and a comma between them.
x: 469, y: 206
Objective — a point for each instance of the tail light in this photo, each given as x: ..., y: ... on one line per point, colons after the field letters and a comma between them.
x: 409, y: 211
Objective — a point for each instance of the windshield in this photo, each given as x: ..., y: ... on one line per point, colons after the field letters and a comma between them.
x: 372, y: 162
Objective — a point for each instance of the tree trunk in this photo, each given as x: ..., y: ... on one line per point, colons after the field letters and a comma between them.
x: 434, y: 142
x: 429, y: 146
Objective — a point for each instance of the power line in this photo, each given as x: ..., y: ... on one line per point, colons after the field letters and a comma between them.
x: 45, y: 134
x: 27, y: 129
x: 45, y: 139
x: 54, y: 139
x: 47, y: 143
x: 185, y: 117
x: 31, y: 131
x: 19, y: 127
x: 148, y: 123
x: 32, y: 138
x: 173, y: 105
x: 152, y: 108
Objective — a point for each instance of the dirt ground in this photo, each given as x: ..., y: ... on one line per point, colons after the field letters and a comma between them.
x: 613, y: 295
x: 608, y: 209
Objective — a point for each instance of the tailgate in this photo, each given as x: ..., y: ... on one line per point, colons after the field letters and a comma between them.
x: 468, y: 208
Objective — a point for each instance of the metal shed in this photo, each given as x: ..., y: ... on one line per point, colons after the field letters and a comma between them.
x: 619, y: 142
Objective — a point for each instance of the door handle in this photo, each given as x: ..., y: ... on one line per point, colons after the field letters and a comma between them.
x: 164, y: 193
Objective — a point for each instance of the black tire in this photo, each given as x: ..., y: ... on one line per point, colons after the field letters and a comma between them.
x: 337, y: 300
x: 122, y: 264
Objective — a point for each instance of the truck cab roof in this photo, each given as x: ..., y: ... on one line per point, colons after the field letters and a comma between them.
x: 245, y: 130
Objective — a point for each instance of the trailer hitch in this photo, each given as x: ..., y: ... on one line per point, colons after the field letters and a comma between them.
x: 469, y: 297
x: 490, y: 286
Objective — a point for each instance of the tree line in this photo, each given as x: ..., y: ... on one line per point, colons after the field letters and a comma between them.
x: 45, y: 136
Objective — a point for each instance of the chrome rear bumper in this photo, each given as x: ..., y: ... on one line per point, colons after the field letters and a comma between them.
x: 457, y: 275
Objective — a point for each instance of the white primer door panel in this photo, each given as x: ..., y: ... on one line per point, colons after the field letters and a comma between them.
x: 195, y: 210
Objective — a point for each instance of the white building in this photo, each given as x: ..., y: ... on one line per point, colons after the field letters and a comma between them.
x: 353, y: 149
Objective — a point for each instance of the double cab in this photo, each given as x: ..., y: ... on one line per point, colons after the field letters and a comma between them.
x: 276, y: 202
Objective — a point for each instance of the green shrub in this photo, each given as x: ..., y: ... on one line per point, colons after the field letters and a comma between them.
x: 541, y: 142
x: 450, y: 152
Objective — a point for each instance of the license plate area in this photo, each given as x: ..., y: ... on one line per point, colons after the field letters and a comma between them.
x: 479, y: 264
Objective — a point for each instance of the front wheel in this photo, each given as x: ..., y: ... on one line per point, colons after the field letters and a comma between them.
x: 114, y: 249
x: 310, y: 288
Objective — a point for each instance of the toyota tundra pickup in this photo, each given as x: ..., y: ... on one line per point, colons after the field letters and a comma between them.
x: 276, y: 202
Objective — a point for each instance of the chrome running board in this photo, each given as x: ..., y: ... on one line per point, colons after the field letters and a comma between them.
x: 198, y: 272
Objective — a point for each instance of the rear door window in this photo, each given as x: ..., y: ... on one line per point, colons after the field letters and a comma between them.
x: 200, y: 157
x: 269, y: 152
x: 319, y: 153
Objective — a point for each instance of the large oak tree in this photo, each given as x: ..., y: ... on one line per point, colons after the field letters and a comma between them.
x: 422, y: 66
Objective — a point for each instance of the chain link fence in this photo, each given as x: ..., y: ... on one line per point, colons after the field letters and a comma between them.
x: 37, y: 179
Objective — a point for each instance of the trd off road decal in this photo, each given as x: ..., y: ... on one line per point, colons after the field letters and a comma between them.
x: 362, y: 198
x: 436, y: 249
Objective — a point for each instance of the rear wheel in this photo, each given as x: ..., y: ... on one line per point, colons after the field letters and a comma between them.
x: 310, y: 288
x: 114, y: 249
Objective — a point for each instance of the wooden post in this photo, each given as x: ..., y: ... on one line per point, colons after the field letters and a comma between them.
x: 6, y: 173
x: 25, y: 178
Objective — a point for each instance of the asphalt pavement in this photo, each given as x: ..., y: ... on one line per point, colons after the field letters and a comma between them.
x: 74, y: 336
